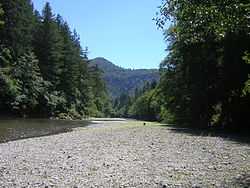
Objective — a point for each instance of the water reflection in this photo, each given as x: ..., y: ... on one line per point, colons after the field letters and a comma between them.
x: 15, y: 129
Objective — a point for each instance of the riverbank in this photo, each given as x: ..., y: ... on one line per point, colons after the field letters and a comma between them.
x: 125, y: 154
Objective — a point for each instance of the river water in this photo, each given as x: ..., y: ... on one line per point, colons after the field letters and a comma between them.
x: 14, y: 129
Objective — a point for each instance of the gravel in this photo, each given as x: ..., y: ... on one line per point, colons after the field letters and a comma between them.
x: 125, y: 154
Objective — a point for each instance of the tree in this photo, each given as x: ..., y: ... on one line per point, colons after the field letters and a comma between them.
x: 18, y: 26
x: 246, y: 90
x: 49, y: 48
x: 55, y: 80
x: 1, y: 14
x: 148, y: 106
x: 9, y: 85
x: 31, y: 84
x: 122, y: 105
x: 204, y: 73
x: 74, y: 70
x: 101, y: 98
x: 71, y: 60
x: 86, y: 105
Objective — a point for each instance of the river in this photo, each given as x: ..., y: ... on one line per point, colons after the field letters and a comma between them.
x: 15, y: 129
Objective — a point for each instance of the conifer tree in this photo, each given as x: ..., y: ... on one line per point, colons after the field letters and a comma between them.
x: 55, y: 80
x: 71, y: 59
x: 18, y: 25
x: 31, y: 84
x: 101, y: 98
x: 9, y: 86
x: 49, y: 48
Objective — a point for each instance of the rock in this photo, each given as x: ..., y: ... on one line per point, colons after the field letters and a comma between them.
x: 238, y: 176
x: 210, y: 167
x: 163, y: 184
x: 196, y: 186
x: 100, y: 156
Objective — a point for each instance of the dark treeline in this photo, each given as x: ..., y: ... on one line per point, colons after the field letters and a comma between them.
x: 44, y: 71
x: 205, y: 77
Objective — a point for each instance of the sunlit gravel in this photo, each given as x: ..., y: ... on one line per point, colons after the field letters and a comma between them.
x: 125, y: 154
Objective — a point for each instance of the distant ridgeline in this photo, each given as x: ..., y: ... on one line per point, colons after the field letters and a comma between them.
x: 120, y: 80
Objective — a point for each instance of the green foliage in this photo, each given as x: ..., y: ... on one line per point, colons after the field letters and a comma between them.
x: 49, y: 48
x: 145, y: 104
x: 72, y: 64
x: 17, y: 32
x: 55, y: 80
x: 204, y: 75
x: 246, y: 89
x: 9, y: 86
x: 1, y: 14
x: 85, y: 103
x: 100, y: 95
x: 30, y: 82
x: 143, y: 107
x: 122, y: 105
x: 55, y: 103
x: 148, y: 106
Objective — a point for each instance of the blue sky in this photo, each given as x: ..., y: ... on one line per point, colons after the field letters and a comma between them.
x: 121, y: 31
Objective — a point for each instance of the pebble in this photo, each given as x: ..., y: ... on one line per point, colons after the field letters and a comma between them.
x: 109, y: 155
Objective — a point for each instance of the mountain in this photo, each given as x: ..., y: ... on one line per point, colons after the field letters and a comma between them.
x: 120, y: 80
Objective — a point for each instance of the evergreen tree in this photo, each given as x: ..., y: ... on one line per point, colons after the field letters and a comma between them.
x: 86, y: 104
x: 55, y: 80
x: 31, y: 84
x: 101, y: 98
x: 49, y: 48
x: 72, y: 66
x: 18, y: 25
x: 9, y: 86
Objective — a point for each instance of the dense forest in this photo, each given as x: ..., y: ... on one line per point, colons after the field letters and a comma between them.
x: 145, y: 104
x: 44, y: 71
x: 206, y: 75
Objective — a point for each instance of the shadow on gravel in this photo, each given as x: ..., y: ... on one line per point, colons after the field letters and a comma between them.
x: 241, y: 181
x: 106, y: 119
x: 241, y: 137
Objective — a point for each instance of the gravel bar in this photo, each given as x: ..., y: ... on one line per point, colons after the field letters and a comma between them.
x: 125, y: 154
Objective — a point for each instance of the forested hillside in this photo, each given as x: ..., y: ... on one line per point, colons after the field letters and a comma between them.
x: 121, y: 81
x: 43, y: 68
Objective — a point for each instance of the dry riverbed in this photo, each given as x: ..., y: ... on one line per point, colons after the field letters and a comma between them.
x: 125, y: 154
